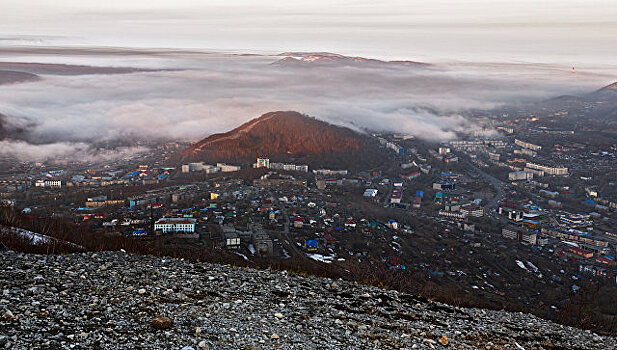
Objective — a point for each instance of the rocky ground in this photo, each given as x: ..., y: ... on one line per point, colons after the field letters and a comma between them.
x: 115, y: 300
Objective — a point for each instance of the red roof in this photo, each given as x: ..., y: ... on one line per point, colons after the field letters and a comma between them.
x: 604, y: 260
x: 411, y: 175
x: 175, y: 222
x: 579, y: 251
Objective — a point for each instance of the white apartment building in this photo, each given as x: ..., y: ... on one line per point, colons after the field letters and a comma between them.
x: 175, y: 225
x: 547, y: 169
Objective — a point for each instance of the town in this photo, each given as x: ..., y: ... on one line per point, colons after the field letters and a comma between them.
x: 494, y: 214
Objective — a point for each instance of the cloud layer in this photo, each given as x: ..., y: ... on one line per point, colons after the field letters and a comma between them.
x: 215, y: 93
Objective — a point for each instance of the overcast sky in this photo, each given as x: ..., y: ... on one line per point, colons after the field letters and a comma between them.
x: 570, y: 32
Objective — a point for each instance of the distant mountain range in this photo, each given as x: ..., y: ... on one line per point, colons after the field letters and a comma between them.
x: 289, y: 137
x: 65, y: 69
x: 304, y: 59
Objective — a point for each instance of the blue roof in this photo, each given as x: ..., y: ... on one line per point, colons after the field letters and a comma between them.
x: 311, y: 243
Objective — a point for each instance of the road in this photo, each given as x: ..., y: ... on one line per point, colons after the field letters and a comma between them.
x: 496, y: 183
x: 290, y: 242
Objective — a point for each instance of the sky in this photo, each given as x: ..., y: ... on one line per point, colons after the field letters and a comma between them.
x: 569, y: 32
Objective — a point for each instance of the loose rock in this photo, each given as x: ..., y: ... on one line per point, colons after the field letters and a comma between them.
x: 161, y: 322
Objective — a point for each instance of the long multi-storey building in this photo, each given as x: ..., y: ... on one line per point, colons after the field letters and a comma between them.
x: 527, y: 145
x: 175, y: 225
x: 517, y: 233
x: 289, y: 167
x: 226, y: 168
x: 526, y: 152
x: 547, y: 169
x: 520, y: 175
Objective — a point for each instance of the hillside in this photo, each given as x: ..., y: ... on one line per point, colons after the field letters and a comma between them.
x: 8, y: 129
x: 3, y: 131
x: 12, y: 77
x: 289, y: 137
x: 121, y: 301
x: 612, y: 87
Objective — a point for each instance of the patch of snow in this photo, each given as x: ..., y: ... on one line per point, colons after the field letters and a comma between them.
x: 286, y: 254
x: 36, y: 238
x: 521, y: 265
x: 251, y: 249
x: 322, y: 258
x: 571, y: 244
x: 533, y: 267
x: 242, y: 255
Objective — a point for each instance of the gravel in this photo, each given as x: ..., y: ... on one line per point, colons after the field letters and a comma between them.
x: 114, y: 300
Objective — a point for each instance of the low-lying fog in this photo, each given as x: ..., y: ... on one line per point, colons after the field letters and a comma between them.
x: 194, y: 94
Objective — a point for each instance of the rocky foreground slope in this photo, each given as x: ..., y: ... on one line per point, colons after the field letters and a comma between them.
x: 119, y: 301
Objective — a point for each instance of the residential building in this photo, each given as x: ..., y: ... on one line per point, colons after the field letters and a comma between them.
x: 547, y: 169
x: 175, y: 225
x: 231, y: 238
x: 193, y: 167
x: 329, y: 172
x: 517, y: 233
x: 226, y: 168
x: 397, y: 195
x: 527, y: 145
x: 262, y: 163
x: 453, y: 214
x: 526, y: 152
x: 411, y: 176
x: 473, y: 210
x: 289, y: 167
x: 520, y: 175
x: 261, y: 241
x: 370, y: 192
x: 417, y: 202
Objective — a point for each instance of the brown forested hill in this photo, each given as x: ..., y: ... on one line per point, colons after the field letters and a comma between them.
x: 289, y: 137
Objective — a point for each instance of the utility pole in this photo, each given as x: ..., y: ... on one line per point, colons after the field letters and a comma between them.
x: 151, y: 219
